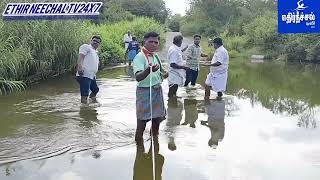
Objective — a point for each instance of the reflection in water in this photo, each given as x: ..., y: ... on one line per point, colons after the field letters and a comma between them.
x: 215, y: 110
x: 279, y: 105
x: 307, y: 119
x: 191, y: 112
x: 291, y: 89
x: 88, y: 116
x: 143, y: 165
x: 43, y: 123
x: 175, y: 108
x: 8, y: 173
x: 129, y: 71
x: 96, y: 154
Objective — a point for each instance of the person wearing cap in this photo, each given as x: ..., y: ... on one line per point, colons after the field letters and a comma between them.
x: 217, y: 78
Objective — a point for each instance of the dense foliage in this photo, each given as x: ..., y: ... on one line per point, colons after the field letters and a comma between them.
x: 249, y: 25
x: 35, y: 50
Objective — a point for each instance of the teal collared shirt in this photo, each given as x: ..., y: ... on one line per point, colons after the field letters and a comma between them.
x: 140, y: 64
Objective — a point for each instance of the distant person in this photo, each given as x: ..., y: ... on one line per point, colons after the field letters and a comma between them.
x: 132, y: 50
x: 87, y: 67
x: 217, y: 78
x: 177, y: 68
x: 194, y: 53
x: 127, y: 38
x: 216, y: 112
x: 149, y: 74
x: 191, y: 112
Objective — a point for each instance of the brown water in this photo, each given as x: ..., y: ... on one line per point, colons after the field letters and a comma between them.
x: 264, y: 128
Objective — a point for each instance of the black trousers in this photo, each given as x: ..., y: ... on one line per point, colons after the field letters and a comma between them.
x: 191, y: 76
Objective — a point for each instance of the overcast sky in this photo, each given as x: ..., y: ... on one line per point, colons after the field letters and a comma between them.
x: 177, y: 6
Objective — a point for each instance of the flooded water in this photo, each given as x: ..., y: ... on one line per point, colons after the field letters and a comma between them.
x: 266, y: 127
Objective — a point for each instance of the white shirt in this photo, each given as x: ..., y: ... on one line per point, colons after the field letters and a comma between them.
x: 127, y: 38
x: 176, y: 76
x: 91, y: 61
x: 220, y: 55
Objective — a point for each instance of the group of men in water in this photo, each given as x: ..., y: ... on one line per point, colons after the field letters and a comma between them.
x: 149, y: 73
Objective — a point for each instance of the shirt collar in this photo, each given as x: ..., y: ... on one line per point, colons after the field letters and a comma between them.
x: 219, y: 48
x: 176, y: 47
x: 93, y: 48
x: 147, y: 53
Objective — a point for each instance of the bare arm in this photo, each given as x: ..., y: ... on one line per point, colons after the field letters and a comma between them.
x: 184, y: 49
x: 176, y: 66
x: 216, y: 64
x: 80, y: 63
x: 204, y: 55
x: 141, y: 75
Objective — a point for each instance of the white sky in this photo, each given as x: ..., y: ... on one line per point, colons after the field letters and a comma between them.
x: 177, y: 6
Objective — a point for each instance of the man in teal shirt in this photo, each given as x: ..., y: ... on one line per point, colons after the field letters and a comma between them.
x: 144, y: 61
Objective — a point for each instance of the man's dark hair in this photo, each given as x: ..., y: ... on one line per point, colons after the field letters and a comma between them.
x: 218, y: 41
x: 196, y: 35
x: 177, y: 39
x: 151, y: 34
x: 96, y: 37
x: 134, y: 38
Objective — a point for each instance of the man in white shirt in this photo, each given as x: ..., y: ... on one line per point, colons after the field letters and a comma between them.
x: 217, y: 78
x: 177, y: 69
x: 87, y: 67
x: 126, y: 39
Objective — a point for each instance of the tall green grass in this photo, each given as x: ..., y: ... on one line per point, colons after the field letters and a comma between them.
x: 35, y: 50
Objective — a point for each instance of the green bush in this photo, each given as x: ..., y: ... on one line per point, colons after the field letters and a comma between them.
x: 112, y: 48
x: 34, y: 50
x: 262, y: 30
x: 174, y: 23
x: 302, y: 47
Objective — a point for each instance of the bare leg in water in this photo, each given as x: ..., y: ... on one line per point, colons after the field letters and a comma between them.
x: 207, y: 93
x: 141, y: 126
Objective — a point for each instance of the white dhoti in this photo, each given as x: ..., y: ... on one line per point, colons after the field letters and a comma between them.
x: 217, y: 81
x: 177, y: 76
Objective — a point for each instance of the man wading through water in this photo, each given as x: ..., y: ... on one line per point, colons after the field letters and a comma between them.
x: 87, y: 67
x: 218, y: 76
x: 177, y: 69
x: 144, y: 61
x: 194, y: 53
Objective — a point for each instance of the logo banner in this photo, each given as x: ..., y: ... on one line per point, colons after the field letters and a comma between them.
x: 298, y: 16
x: 47, y: 10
